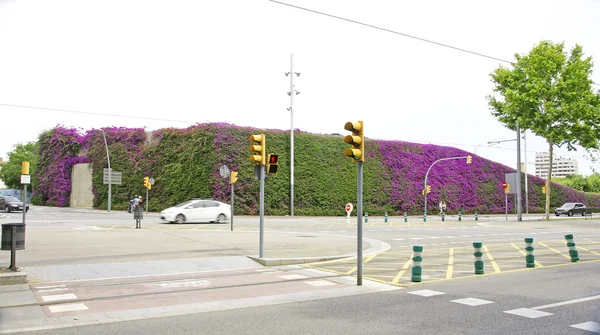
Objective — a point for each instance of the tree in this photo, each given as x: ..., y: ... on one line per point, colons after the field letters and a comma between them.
x: 550, y: 93
x: 10, y: 173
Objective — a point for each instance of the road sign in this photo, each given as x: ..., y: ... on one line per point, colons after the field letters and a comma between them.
x: 349, y: 207
x: 224, y: 171
x: 504, y: 184
x: 25, y: 179
x: 116, y: 178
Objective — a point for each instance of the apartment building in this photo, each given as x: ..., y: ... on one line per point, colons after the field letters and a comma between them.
x: 561, y: 167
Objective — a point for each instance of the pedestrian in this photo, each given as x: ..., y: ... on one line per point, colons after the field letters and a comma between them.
x: 441, y: 207
x: 444, y: 207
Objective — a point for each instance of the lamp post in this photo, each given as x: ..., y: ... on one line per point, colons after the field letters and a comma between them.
x: 109, y: 170
x: 291, y: 93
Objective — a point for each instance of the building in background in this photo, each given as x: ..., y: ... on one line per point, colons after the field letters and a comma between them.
x: 561, y: 167
x: 2, y: 162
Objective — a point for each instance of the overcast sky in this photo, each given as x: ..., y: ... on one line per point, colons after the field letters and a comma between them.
x: 175, y: 63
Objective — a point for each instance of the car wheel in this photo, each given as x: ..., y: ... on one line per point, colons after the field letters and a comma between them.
x: 557, y: 214
x: 180, y: 218
x: 570, y: 213
x: 7, y: 209
x: 221, y: 218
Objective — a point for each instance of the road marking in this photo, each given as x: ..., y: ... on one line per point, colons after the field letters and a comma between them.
x: 426, y: 293
x: 398, y: 239
x: 569, y: 302
x: 528, y: 313
x: 590, y: 326
x: 177, y: 284
x: 404, y: 268
x: 537, y: 264
x: 57, y: 297
x: 450, y: 263
x: 587, y: 239
x: 319, y: 283
x: 416, y: 238
x: 364, y: 262
x: 556, y: 251
x: 472, y: 301
x: 593, y: 252
x: 491, y: 258
x: 292, y: 277
x: 46, y: 287
x: 53, y: 290
x: 67, y: 308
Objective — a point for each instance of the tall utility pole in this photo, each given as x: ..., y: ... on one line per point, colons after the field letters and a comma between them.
x: 519, y: 212
x: 526, y: 192
x: 109, y: 170
x: 291, y: 93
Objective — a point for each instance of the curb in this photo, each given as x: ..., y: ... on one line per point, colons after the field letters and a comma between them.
x: 13, y: 278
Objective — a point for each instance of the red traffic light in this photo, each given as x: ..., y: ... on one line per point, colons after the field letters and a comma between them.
x: 504, y: 184
x: 273, y: 158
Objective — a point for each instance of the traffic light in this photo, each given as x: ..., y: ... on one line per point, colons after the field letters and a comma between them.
x: 233, y: 176
x: 258, y: 148
x: 357, y: 140
x: 147, y: 183
x: 544, y: 189
x: 469, y: 159
x: 272, y: 164
x: 507, y: 189
x: 428, y: 189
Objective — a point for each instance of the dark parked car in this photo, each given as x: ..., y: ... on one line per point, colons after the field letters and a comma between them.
x: 8, y: 203
x: 570, y: 208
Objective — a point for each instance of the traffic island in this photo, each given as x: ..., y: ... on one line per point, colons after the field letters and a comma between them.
x: 9, y: 277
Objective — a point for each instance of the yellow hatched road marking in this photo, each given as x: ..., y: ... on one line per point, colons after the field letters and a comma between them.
x: 491, y: 258
x: 556, y: 251
x: 356, y: 267
x: 450, y: 263
x: 593, y: 252
x: 587, y: 239
x: 537, y: 264
x: 401, y: 273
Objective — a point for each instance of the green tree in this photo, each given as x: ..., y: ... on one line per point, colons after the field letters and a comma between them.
x: 549, y: 92
x: 10, y: 173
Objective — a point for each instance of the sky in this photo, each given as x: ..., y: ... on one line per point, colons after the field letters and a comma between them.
x: 156, y: 64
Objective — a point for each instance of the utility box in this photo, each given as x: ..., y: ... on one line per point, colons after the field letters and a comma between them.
x: 7, y: 236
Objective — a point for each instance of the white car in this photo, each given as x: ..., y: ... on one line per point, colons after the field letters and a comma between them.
x: 197, y: 210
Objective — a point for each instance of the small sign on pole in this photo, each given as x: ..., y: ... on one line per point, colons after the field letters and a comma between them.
x: 348, y: 209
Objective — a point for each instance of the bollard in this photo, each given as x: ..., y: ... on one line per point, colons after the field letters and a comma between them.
x: 386, y: 219
x: 459, y: 214
x: 424, y: 216
x: 478, y: 257
x: 529, y: 259
x: 417, y: 270
x: 572, y: 250
x: 405, y: 217
x: 366, y: 217
x: 443, y: 216
x: 476, y: 217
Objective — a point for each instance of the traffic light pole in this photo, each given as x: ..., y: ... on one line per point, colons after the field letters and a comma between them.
x: 359, y: 228
x: 231, y: 206
x: 427, y: 174
x: 262, y: 210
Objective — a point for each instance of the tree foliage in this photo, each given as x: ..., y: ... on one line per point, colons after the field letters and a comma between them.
x: 549, y: 92
x: 10, y: 173
x: 589, y: 184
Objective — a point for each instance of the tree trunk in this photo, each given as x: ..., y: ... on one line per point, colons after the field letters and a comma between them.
x: 548, y: 180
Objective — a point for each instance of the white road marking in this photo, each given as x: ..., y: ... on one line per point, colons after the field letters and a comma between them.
x: 54, y: 290
x: 398, y: 239
x: 528, y: 313
x: 416, y: 238
x: 472, y: 301
x: 426, y: 293
x: 57, y: 297
x: 292, y: 277
x: 67, y: 308
x: 590, y: 326
x: 575, y: 301
x: 319, y: 283
x: 193, y: 283
x: 53, y: 286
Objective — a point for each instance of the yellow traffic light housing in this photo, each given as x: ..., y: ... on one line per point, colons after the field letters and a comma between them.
x: 544, y: 189
x: 258, y: 148
x: 233, y: 176
x: 147, y: 183
x: 469, y: 159
x: 357, y: 140
x: 428, y: 189
x: 507, y: 189
x: 272, y: 163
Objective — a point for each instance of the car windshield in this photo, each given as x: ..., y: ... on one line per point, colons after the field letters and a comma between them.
x: 10, y: 198
x: 183, y: 204
x: 568, y: 204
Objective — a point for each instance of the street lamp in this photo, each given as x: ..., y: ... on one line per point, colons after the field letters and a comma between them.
x: 109, y: 170
x: 291, y: 93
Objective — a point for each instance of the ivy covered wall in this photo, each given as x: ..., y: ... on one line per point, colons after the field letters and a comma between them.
x: 185, y: 164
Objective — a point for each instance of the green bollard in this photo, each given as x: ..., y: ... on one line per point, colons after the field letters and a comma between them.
x: 572, y: 249
x: 366, y: 217
x: 459, y: 216
x: 476, y: 217
x: 417, y: 259
x: 478, y: 257
x: 386, y: 219
x: 529, y: 259
x: 443, y: 216
x: 424, y: 216
x: 405, y: 217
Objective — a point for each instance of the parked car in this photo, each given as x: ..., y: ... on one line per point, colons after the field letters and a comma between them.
x: 8, y: 203
x: 197, y: 210
x: 570, y: 208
